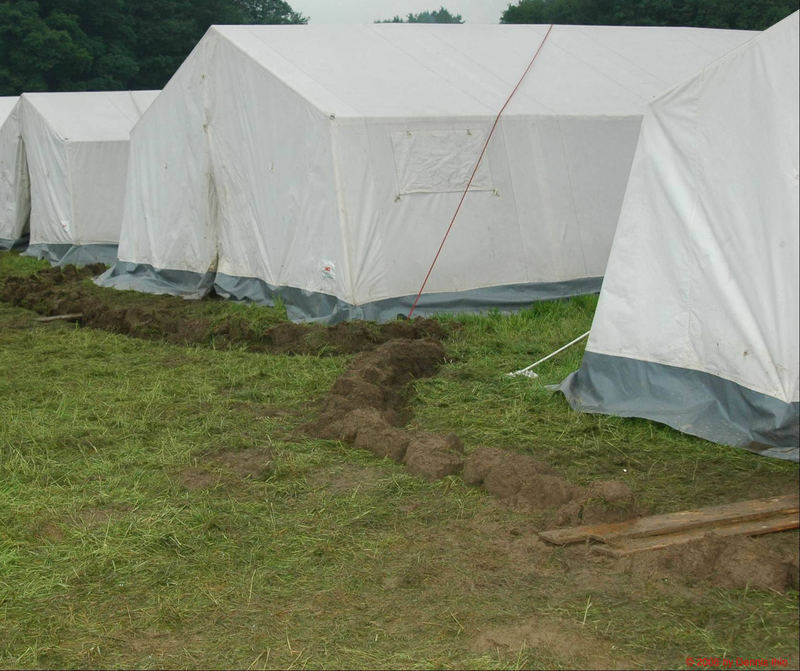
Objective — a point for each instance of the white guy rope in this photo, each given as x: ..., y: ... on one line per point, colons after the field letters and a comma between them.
x: 528, y: 372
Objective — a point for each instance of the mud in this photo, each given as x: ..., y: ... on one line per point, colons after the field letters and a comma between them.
x: 368, y: 404
x: 527, y: 484
x: 736, y: 562
x: 367, y: 407
x: 60, y: 291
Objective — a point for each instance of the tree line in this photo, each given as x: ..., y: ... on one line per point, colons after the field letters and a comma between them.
x: 734, y: 14
x: 83, y: 45
x: 440, y: 15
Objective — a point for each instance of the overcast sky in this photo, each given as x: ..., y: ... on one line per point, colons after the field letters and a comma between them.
x: 367, y: 11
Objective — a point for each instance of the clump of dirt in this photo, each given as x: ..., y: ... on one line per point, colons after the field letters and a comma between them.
x: 376, y: 380
x: 366, y: 406
x: 434, y: 456
x: 348, y: 337
x: 61, y: 291
x: 516, y: 478
x: 602, y: 501
x: 368, y: 429
x: 733, y: 562
x: 523, y: 482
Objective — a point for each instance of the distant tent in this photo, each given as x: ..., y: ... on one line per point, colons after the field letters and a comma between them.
x: 697, y: 324
x: 322, y: 164
x: 77, y: 151
x: 15, y: 201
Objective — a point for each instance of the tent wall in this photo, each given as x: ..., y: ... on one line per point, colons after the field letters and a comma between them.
x: 282, y: 160
x: 698, y: 321
x: 77, y: 151
x: 522, y: 222
x: 274, y: 174
x: 14, y: 186
x: 252, y: 167
x: 51, y: 206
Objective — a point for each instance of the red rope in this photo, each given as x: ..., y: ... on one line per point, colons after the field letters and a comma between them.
x: 475, y: 170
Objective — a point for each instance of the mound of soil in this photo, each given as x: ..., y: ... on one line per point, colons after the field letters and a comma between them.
x: 60, y: 291
x: 434, y: 456
x: 377, y: 381
x: 602, y: 501
x: 525, y: 483
x: 733, y: 562
x: 367, y: 404
x: 347, y: 337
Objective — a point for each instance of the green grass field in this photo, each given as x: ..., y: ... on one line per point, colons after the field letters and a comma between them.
x: 159, y: 507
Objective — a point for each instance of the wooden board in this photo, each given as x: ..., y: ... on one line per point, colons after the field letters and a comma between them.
x: 729, y: 513
x: 627, y: 546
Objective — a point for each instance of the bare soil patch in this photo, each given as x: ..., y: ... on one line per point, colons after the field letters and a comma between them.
x: 60, y: 291
x: 49, y: 531
x: 767, y: 562
x: 527, y: 484
x: 195, y: 478
x: 556, y: 641
x: 367, y: 406
x: 255, y: 463
x: 346, y: 478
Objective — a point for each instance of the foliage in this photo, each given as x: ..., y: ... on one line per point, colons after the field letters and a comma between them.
x: 440, y: 15
x: 734, y: 14
x: 270, y: 11
x: 72, y: 45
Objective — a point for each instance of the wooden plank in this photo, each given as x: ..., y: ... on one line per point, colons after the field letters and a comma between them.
x: 752, y: 509
x: 627, y: 546
x: 74, y: 316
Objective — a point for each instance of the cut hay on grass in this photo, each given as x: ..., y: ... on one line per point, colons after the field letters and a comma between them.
x: 160, y: 506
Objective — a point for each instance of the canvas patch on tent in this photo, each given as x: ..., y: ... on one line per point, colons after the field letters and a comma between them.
x: 439, y: 161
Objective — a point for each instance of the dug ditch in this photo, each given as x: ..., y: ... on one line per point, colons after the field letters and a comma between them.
x: 368, y: 407
x: 68, y: 291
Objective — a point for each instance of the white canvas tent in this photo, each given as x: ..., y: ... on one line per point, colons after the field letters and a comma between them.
x: 697, y: 323
x: 14, y: 190
x: 77, y: 152
x: 323, y: 163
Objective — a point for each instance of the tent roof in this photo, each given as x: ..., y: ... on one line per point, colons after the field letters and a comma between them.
x: 6, y: 105
x: 465, y: 70
x: 94, y: 115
